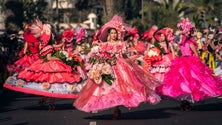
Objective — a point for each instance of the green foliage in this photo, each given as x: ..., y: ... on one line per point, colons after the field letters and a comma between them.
x: 108, y: 78
x: 35, y: 10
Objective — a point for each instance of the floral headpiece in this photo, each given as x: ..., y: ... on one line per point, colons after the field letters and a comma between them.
x: 117, y: 23
x: 186, y: 25
x: 81, y: 35
x: 168, y: 32
x: 149, y: 34
x: 133, y: 32
x: 41, y: 31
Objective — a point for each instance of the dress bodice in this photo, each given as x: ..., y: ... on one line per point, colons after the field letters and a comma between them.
x: 185, y: 46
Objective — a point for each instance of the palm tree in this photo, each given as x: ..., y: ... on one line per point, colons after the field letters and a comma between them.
x: 166, y: 13
x: 202, y: 12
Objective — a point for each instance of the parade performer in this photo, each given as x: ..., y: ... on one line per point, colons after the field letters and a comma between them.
x: 51, y: 75
x: 115, y: 80
x: 189, y: 80
x: 159, y: 66
x: 29, y: 53
x: 136, y: 47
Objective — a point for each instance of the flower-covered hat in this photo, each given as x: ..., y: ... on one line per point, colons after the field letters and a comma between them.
x: 117, y: 23
x: 168, y: 32
x: 149, y: 33
x: 133, y: 32
x: 185, y: 25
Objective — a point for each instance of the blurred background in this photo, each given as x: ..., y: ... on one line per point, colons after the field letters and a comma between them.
x: 92, y: 14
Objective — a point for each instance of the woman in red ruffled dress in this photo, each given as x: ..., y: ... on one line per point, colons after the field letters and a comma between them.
x: 28, y: 54
x: 114, y: 79
x: 49, y: 76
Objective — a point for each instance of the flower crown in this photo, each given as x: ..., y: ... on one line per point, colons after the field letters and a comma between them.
x: 186, y: 25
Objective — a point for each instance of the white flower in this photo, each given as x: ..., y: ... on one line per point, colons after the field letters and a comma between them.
x: 106, y: 69
x: 71, y: 88
x: 152, y: 53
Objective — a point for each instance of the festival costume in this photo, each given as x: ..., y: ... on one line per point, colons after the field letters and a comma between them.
x: 160, y: 61
x: 113, y: 80
x: 129, y: 87
x: 190, y: 79
x: 51, y: 78
x: 29, y: 57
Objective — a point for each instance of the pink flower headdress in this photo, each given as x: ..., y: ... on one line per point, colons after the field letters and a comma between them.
x: 133, y: 32
x: 186, y: 25
x: 41, y: 31
x: 81, y: 35
x: 117, y: 23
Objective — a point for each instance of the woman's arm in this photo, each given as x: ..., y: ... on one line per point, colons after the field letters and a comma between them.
x: 25, y: 48
x: 194, y: 49
x: 50, y: 57
x: 172, y: 50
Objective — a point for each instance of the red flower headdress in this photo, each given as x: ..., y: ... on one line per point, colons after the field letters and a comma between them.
x: 149, y: 34
x: 168, y: 32
x: 133, y: 32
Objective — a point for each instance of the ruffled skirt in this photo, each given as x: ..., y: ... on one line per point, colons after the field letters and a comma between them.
x: 159, y: 68
x: 22, y: 63
x: 190, y: 79
x: 52, y: 79
x: 130, y: 87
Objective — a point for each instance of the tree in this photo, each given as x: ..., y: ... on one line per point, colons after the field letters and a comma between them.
x: 202, y: 12
x: 166, y: 14
x: 23, y: 11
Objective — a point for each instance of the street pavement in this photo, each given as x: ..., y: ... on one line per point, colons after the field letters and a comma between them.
x: 23, y: 109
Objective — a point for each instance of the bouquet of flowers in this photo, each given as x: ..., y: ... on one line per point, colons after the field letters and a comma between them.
x: 69, y: 58
x: 101, y: 67
x: 154, y: 54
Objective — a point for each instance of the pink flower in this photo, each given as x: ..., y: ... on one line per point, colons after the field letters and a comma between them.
x: 106, y: 55
x: 20, y: 82
x: 46, y: 86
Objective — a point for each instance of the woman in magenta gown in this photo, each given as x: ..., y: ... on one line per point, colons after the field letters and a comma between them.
x: 189, y: 80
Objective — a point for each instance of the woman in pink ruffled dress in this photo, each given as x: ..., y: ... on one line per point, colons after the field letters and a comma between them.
x: 189, y: 79
x: 160, y: 66
x: 114, y: 80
